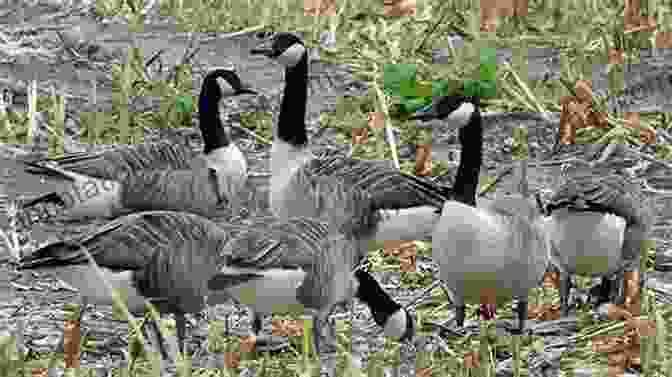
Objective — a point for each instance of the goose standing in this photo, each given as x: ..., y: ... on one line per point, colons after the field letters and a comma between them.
x: 597, y: 224
x: 491, y: 252
x: 368, y: 200
x: 383, y: 200
x: 155, y: 176
x: 496, y: 250
x: 182, y: 262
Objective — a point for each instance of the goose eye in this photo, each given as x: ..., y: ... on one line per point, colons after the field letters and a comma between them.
x: 263, y: 35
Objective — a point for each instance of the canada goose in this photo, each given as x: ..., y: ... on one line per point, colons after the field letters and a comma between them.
x: 377, y: 201
x: 155, y: 176
x: 596, y: 225
x: 181, y: 262
x: 495, y: 251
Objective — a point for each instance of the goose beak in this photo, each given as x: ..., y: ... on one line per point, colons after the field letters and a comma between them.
x: 247, y: 90
x: 424, y: 114
x: 267, y: 52
x: 264, y: 48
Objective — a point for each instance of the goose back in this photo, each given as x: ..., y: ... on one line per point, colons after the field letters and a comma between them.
x: 121, y: 161
x: 152, y: 252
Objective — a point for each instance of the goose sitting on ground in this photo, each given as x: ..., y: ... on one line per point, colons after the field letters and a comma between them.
x: 596, y: 225
x: 155, y: 176
x: 181, y: 262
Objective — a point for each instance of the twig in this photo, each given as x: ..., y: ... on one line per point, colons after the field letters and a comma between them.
x: 253, y: 134
x: 495, y: 181
x: 235, y: 34
x: 432, y: 29
x: 388, y: 128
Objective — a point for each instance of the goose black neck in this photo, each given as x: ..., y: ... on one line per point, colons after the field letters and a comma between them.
x: 211, y: 125
x: 291, y: 122
x: 372, y: 294
x: 471, y: 157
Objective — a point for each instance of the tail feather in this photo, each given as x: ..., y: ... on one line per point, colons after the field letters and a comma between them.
x: 51, y: 197
x: 43, y: 169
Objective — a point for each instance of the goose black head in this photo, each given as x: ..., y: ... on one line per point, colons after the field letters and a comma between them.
x: 457, y: 109
x: 223, y: 81
x: 287, y: 48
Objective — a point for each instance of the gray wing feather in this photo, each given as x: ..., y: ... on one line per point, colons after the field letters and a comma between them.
x: 124, y: 160
x: 389, y: 188
x: 193, y: 191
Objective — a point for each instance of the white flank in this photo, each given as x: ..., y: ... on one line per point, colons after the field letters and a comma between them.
x: 407, y: 224
x: 89, y: 284
x: 231, y: 167
x: 586, y: 243
x: 274, y: 293
x: 286, y: 160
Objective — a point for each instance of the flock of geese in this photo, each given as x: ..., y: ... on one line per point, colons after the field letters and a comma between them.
x: 327, y: 208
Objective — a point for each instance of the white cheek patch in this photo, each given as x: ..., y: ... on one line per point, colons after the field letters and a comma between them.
x: 292, y: 56
x: 461, y: 116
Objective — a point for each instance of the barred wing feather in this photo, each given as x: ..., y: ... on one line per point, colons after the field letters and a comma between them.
x: 121, y: 161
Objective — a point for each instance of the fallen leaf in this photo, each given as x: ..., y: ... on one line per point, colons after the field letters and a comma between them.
x: 71, y: 343
x: 472, y: 360
x: 423, y: 160
x: 398, y: 8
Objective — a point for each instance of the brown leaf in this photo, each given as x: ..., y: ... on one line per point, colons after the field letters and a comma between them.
x: 634, y: 357
x: 287, y: 327
x: 398, y: 8
x: 404, y: 250
x: 544, y: 312
x: 472, y: 360
x: 663, y: 39
x: 617, y: 313
x: 615, y: 370
x: 40, y: 372
x: 505, y: 8
x: 608, y: 343
x: 232, y: 359
x: 319, y: 7
x: 488, y: 16
x: 423, y: 160
x: 647, y: 135
x: 566, y: 131
x: 247, y: 343
x: 616, y: 56
x: 71, y: 343
x: 552, y: 279
x: 376, y: 120
x: 597, y: 119
x: 584, y: 91
x: 642, y: 326
x: 360, y: 135
x: 423, y: 372
x: 520, y: 7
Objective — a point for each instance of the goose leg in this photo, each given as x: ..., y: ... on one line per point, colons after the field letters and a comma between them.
x: 460, y: 313
x: 521, y: 310
x: 565, y: 284
x: 153, y: 332
x: 324, y: 339
x: 265, y: 342
x: 602, y: 292
x: 181, y: 325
